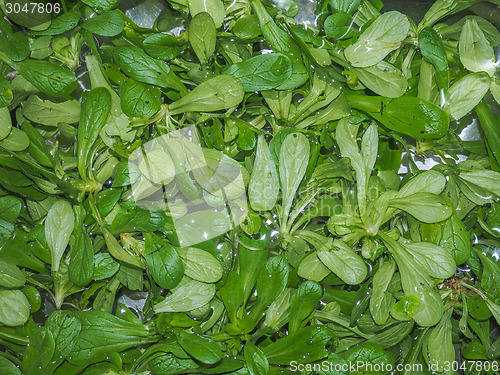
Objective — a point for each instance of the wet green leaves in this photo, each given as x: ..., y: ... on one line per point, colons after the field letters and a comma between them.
x: 331, y: 242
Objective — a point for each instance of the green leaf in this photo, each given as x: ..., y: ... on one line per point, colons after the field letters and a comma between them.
x: 465, y: 93
x: 476, y: 53
x: 383, y: 79
x: 215, y: 223
x: 369, y: 354
x: 343, y: 261
x: 37, y: 148
x: 384, y: 35
x: 14, y: 308
x: 163, y: 262
x: 247, y: 27
x: 8, y: 368
x: 101, y: 4
x: 381, y: 299
x: 432, y: 49
x: 143, y: 68
x: 162, y: 46
x: 251, y: 262
x: 202, y: 349
x: 13, y: 43
x: 187, y: 296
x: 16, y: 141
x: 303, y: 304
x: 200, y: 265
x: 139, y: 100
x: 425, y: 207
x: 271, y: 283
x: 305, y: 346
x: 125, y: 173
x: 6, y: 94
x: 262, y: 72
x: 417, y: 282
x: 407, y: 114
x: 39, y: 352
x: 215, y: 94
x: 425, y: 182
x: 335, y: 365
x: 59, y: 225
x: 96, y: 107
x: 202, y: 36
x: 263, y: 189
x: 440, y: 345
x: 486, y: 179
x: 106, y: 24
x: 61, y: 24
x: 293, y: 161
x: 11, y: 276
x: 50, y: 113
x: 255, y: 359
x: 118, y: 252
x: 312, y: 268
x: 495, y: 310
x: 102, y: 334
x: 339, y: 25
x: 213, y: 7
x: 5, y: 123
x: 405, y: 308
x: 81, y: 263
x: 133, y: 219
x: 48, y: 77
x: 451, y: 235
x: 10, y: 208
x: 104, y: 266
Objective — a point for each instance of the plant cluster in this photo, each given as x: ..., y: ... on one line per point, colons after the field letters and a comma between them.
x: 309, y: 240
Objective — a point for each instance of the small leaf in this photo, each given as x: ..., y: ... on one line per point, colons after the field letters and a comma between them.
x: 384, y: 35
x: 202, y: 36
x: 163, y: 262
x: 106, y: 24
x: 262, y: 72
x: 465, y: 93
x: 476, y: 53
x: 188, y: 296
x: 14, y: 308
x: 59, y: 225
x: 200, y: 265
x: 139, y: 100
x: 255, y: 359
x: 343, y: 262
x: 215, y: 94
x: 425, y: 207
x: 263, y: 189
x: 303, y: 304
x: 202, y: 349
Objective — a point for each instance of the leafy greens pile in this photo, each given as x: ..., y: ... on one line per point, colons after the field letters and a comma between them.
x: 347, y: 251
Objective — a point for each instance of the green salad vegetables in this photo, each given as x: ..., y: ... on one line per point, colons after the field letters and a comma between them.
x: 230, y: 191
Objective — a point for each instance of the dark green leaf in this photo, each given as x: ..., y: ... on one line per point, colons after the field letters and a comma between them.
x: 39, y: 352
x: 163, y: 261
x: 107, y: 24
x: 202, y: 349
x: 139, y: 100
x: 263, y: 72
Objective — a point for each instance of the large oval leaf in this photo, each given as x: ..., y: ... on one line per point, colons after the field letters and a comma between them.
x: 59, y: 225
x: 384, y: 35
x: 14, y: 308
x: 262, y: 72
x: 215, y: 94
x: 343, y: 262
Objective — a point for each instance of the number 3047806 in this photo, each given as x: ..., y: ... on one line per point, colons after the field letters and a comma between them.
x: 26, y: 8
